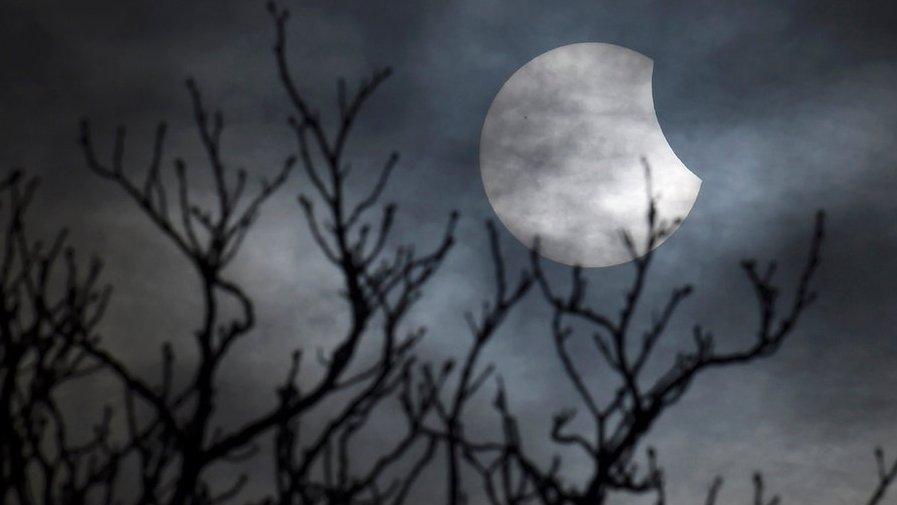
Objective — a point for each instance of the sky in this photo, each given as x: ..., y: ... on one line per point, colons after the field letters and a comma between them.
x: 781, y: 108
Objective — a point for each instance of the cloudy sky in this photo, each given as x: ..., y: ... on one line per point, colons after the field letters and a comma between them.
x: 779, y: 107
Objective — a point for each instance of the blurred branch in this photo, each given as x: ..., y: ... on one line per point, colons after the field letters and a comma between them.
x: 622, y: 421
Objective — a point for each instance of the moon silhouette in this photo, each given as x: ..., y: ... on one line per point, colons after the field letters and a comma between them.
x: 561, y: 155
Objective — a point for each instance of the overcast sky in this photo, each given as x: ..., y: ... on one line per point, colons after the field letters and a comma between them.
x: 779, y: 107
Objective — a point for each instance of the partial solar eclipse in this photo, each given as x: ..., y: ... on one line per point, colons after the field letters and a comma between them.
x: 561, y: 150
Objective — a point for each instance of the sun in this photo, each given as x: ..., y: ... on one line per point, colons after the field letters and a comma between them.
x: 562, y: 151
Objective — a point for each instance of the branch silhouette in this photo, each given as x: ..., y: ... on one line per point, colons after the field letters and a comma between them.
x: 43, y: 332
x: 622, y: 421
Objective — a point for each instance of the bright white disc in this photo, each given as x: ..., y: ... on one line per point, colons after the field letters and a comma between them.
x: 561, y: 149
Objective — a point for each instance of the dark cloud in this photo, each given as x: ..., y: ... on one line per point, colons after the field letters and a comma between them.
x: 780, y: 107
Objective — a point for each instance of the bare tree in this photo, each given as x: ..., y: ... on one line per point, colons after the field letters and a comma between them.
x: 166, y: 429
x: 178, y: 443
x: 48, y: 308
x: 622, y: 420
